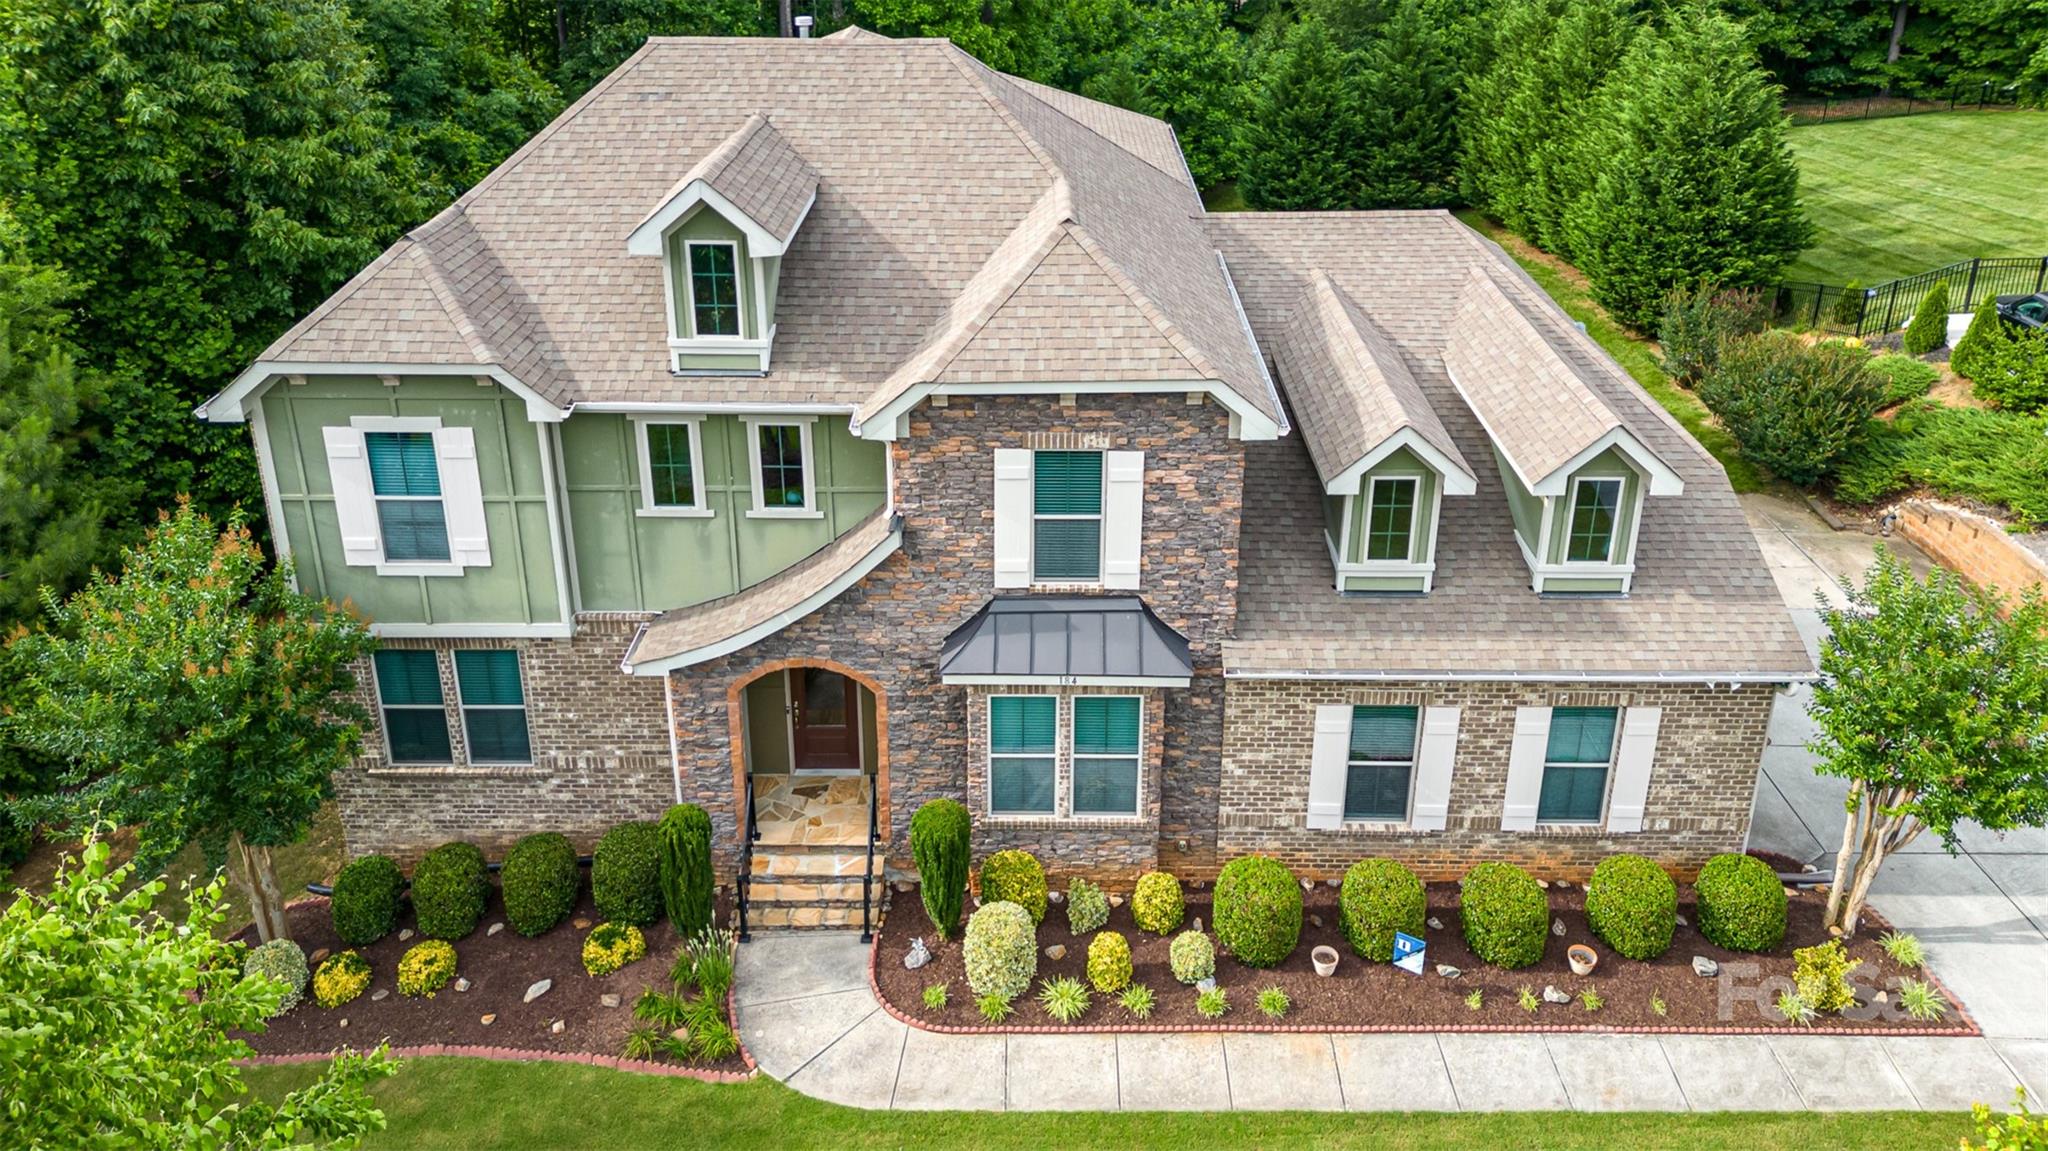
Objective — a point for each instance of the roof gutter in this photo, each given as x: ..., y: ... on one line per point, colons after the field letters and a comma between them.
x: 1709, y: 678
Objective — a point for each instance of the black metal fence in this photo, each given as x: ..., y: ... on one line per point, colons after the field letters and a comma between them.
x: 1864, y: 311
x: 1878, y: 105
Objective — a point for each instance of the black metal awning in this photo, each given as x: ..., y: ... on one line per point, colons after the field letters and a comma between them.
x: 1066, y: 640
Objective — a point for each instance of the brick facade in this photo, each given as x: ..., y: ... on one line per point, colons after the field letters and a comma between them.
x: 1702, y: 780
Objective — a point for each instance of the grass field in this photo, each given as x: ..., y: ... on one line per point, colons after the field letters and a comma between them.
x: 471, y: 1104
x: 1899, y: 196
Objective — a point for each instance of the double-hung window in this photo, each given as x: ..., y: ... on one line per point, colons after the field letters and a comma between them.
x: 493, y: 706
x: 405, y: 480
x: 1023, y: 737
x: 714, y: 289
x: 409, y: 691
x: 782, y: 475
x: 671, y: 481
x: 1066, y: 517
x: 1380, y: 763
x: 1575, y: 764
x: 1390, y: 519
x: 1596, y: 505
x: 1106, y: 743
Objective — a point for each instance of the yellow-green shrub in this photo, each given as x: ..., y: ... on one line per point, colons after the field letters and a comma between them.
x: 341, y: 978
x: 1157, y: 905
x: 1109, y: 962
x: 426, y: 968
x: 1015, y: 877
x: 610, y: 946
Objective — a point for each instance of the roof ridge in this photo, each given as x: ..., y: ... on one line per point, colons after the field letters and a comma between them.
x: 1589, y: 401
x: 961, y: 61
x: 1090, y: 128
x: 451, y: 304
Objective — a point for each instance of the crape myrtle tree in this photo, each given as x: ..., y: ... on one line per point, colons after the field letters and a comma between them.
x: 1933, y: 704
x: 116, y: 1027
x: 196, y: 696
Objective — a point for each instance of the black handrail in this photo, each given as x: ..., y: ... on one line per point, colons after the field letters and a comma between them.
x: 744, y: 883
x: 867, y: 875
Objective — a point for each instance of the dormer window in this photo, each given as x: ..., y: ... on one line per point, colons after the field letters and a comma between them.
x: 714, y: 289
x: 1390, y: 523
x: 1596, y: 505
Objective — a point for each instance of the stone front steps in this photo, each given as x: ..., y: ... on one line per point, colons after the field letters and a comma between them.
x: 810, y: 885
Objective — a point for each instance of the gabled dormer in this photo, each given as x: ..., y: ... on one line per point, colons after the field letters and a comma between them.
x: 1383, y: 456
x: 721, y: 232
x: 1576, y: 475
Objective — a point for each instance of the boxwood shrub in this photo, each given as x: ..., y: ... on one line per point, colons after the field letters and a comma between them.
x: 1014, y: 877
x: 1378, y: 898
x: 1741, y: 903
x: 365, y: 902
x: 1191, y: 957
x: 1506, y: 916
x: 1258, y: 910
x: 1633, y: 905
x: 1001, y: 950
x: 625, y: 874
x: 539, y: 880
x: 283, y: 961
x: 448, y: 889
x: 1157, y: 905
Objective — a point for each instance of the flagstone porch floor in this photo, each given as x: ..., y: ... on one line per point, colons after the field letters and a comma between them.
x: 811, y: 810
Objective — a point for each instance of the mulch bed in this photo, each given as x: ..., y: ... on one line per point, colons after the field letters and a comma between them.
x: 499, y: 968
x: 1363, y: 996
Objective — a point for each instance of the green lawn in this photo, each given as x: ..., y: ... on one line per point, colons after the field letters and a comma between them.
x: 472, y: 1104
x: 1903, y: 195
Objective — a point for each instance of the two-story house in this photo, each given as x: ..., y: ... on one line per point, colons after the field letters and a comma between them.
x: 805, y: 423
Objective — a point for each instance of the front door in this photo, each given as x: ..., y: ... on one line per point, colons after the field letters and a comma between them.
x: 824, y: 720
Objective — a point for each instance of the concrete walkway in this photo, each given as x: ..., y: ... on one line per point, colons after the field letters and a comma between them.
x: 807, y: 1014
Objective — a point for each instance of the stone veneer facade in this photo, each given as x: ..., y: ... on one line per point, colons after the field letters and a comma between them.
x: 1702, y: 779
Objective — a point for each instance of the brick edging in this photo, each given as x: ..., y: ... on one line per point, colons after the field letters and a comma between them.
x: 1969, y: 1027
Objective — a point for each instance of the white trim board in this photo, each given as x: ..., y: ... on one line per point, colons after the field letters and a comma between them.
x: 1247, y: 422
x: 230, y: 404
x: 1456, y: 480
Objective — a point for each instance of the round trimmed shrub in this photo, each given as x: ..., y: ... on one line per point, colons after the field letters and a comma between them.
x: 364, y: 906
x: 1633, y: 905
x: 1014, y: 877
x: 341, y: 978
x: 1087, y: 906
x: 425, y: 968
x: 1001, y: 950
x: 625, y: 874
x: 539, y: 882
x: 283, y: 961
x: 1192, y: 957
x: 1157, y: 905
x: 686, y: 868
x: 1380, y: 897
x: 610, y: 946
x: 1109, y: 962
x: 448, y: 889
x: 1507, y: 917
x: 1258, y: 910
x: 939, y: 845
x: 1741, y: 903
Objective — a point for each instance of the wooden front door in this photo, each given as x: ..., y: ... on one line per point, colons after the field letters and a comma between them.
x: 824, y: 720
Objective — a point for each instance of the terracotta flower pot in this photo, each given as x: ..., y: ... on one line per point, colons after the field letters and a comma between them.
x: 1325, y: 959
x: 1582, y: 958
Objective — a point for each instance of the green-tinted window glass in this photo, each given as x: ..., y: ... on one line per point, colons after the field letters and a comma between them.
x: 1023, y: 731
x: 1106, y: 754
x: 406, y: 482
x: 402, y: 463
x: 782, y: 465
x: 670, y: 469
x: 714, y: 290
x: 1066, y: 497
x: 1575, y: 764
x: 1380, y: 763
x: 415, y: 723
x: 1581, y: 735
x: 1391, y: 525
x: 493, y: 706
x: 1595, y: 505
x: 413, y: 530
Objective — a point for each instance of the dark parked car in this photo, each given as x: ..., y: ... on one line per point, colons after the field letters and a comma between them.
x: 2024, y: 311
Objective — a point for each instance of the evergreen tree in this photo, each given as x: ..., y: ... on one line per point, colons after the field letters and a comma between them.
x: 1183, y: 64
x: 1929, y: 329
x: 1696, y: 183
x: 1506, y: 115
x: 1300, y: 142
x: 1408, y: 155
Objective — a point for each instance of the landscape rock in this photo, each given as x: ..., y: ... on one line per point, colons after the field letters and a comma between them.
x: 1557, y: 928
x: 903, y: 886
x: 557, y: 1027
x: 1334, y: 882
x: 1705, y: 968
x: 494, y: 929
x: 1116, y: 901
x: 404, y: 933
x: 1308, y: 885
x: 1544, y: 884
x: 380, y: 995
x: 1208, y: 984
x: 1447, y: 971
x: 1316, y: 920
x: 1056, y: 952
x: 1683, y: 921
x: 1056, y: 896
x: 580, y: 923
x: 1552, y: 995
x: 539, y: 989
x: 1435, y: 924
x: 1564, y: 885
x: 1882, y: 997
x: 314, y: 959
x: 1196, y: 925
x: 344, y: 1023
x: 462, y: 983
x: 1834, y: 931
x: 488, y: 1019
x: 608, y: 1000
x: 919, y: 955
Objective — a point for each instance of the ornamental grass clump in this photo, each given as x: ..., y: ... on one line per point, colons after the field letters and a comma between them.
x: 1273, y: 1003
x: 1157, y: 905
x: 993, y: 1008
x: 1632, y: 904
x: 935, y: 997
x: 685, y: 868
x: 939, y: 845
x: 1015, y: 877
x: 448, y: 890
x: 539, y: 882
x: 1109, y: 962
x: 1064, y: 998
x: 1192, y: 957
x: 1741, y: 903
x: 1137, y: 999
x: 709, y: 955
x: 1378, y: 898
x: 1087, y: 907
x: 1904, y: 949
x: 1258, y: 910
x: 1506, y: 915
x: 1921, y: 1000
x: 364, y: 906
x: 610, y: 946
x: 1213, y: 1003
x: 341, y: 978
x: 1001, y: 950
x: 281, y: 961
x: 625, y: 874
x: 426, y: 968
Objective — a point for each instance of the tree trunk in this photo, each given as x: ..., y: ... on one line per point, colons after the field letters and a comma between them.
x: 1891, y: 55
x: 1852, y: 831
x: 561, y: 31
x: 1870, y: 837
x: 257, y: 877
x: 787, y: 23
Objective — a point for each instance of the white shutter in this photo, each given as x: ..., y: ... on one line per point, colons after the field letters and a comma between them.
x: 1525, y: 769
x: 1123, y: 515
x: 1326, y: 768
x: 1013, y: 517
x: 1632, y: 768
x: 462, y: 497
x: 1433, y: 769
x: 355, y: 501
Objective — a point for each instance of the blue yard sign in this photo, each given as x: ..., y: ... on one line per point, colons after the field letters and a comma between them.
x: 1408, y: 953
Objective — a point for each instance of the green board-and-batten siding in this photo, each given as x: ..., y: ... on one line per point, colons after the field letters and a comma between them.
x: 518, y: 588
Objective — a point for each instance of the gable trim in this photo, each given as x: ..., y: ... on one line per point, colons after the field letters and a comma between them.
x: 647, y: 239
x: 1456, y: 480
x: 231, y: 404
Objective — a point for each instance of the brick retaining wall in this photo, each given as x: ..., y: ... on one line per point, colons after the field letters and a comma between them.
x: 1974, y: 546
